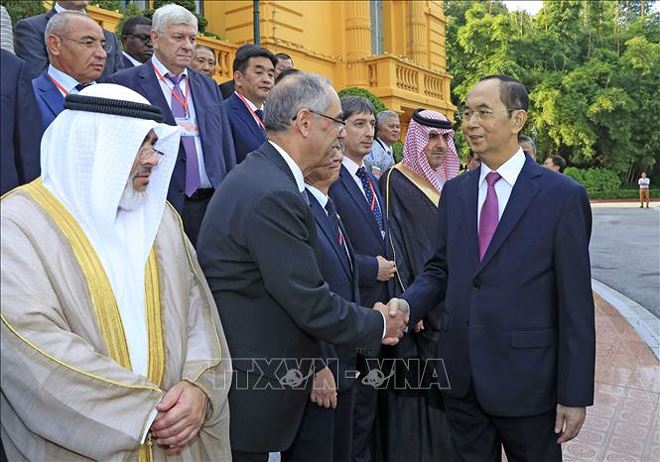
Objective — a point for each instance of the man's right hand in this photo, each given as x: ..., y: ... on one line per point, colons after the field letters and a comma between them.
x: 386, y: 269
x: 396, y: 314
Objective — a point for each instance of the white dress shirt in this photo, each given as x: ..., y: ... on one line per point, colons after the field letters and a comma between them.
x: 67, y: 82
x: 509, y: 171
x: 133, y: 61
x: 297, y: 173
x: 166, y: 88
x: 352, y: 167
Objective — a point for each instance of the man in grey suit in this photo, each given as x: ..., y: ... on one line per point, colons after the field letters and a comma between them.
x: 256, y: 247
x: 31, y: 46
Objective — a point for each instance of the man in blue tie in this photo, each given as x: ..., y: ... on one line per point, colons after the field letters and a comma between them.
x: 254, y: 77
x: 512, y: 266
x: 190, y: 100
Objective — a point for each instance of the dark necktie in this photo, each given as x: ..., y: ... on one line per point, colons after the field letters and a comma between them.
x: 370, y: 192
x: 179, y: 111
x: 260, y: 114
x: 305, y: 196
x: 489, y: 216
x: 334, y: 220
x: 81, y: 86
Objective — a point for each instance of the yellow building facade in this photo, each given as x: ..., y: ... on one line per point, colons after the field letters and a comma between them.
x: 395, y: 49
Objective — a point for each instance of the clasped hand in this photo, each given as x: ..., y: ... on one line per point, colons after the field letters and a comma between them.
x: 181, y: 414
x: 397, y: 314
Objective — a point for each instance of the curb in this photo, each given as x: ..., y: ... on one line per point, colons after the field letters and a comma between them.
x: 645, y: 323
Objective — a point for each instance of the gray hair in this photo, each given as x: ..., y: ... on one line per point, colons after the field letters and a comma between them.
x: 58, y: 23
x: 294, y: 92
x: 382, y: 116
x: 172, y: 14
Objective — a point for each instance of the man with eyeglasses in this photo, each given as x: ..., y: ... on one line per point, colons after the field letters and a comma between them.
x: 136, y: 41
x: 112, y: 348
x: 511, y: 264
x: 256, y: 248
x: 77, y: 50
x: 360, y: 206
x: 30, y: 46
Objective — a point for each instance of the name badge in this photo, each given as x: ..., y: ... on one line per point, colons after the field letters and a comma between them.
x: 190, y: 128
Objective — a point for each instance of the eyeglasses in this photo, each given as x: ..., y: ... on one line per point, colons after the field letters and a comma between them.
x: 149, y: 150
x: 339, y: 124
x: 482, y: 114
x: 144, y: 38
x: 91, y: 43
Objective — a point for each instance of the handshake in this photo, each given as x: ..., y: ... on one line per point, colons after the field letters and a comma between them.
x: 397, y: 314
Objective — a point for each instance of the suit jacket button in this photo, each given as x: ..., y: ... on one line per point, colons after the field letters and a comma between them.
x: 475, y: 285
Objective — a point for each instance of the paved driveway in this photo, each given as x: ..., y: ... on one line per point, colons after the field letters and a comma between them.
x: 625, y: 251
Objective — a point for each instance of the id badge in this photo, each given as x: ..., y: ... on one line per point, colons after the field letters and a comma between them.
x: 189, y: 127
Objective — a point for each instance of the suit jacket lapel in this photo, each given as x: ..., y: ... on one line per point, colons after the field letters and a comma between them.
x: 522, y: 194
x: 148, y: 82
x: 358, y: 197
x: 469, y: 201
x: 50, y: 94
x: 244, y: 114
x: 326, y: 226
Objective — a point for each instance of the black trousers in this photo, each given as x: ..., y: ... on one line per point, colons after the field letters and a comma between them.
x: 194, y: 209
x: 238, y: 456
x: 478, y: 436
x: 325, y: 435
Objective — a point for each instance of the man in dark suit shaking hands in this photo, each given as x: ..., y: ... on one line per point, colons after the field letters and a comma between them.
x: 512, y: 265
x: 256, y: 248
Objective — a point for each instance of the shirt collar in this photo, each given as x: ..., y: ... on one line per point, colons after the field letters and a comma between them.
x: 322, y: 198
x: 350, y: 165
x: 162, y: 69
x: 509, y: 169
x: 250, y: 103
x: 68, y: 82
x: 297, y: 173
x: 131, y: 59
x: 59, y: 9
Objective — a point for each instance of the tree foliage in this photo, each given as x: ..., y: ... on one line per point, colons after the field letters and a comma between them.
x: 18, y: 10
x: 592, y: 70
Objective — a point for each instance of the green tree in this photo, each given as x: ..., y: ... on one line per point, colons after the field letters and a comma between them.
x: 21, y: 9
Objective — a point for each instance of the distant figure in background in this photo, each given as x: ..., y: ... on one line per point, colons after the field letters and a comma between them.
x: 381, y: 156
x: 6, y: 31
x: 30, y: 46
x: 411, y: 190
x: 136, y: 41
x: 555, y: 163
x: 77, y: 51
x: 284, y: 62
x: 286, y: 72
x: 528, y: 146
x: 644, y: 190
x: 20, y: 135
x: 473, y: 161
x: 204, y: 60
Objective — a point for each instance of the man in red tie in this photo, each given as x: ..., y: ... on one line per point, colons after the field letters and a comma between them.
x: 517, y: 333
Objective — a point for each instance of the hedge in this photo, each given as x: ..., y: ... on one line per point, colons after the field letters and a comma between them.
x: 595, y: 180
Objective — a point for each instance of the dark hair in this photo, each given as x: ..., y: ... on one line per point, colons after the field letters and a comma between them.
x: 285, y: 72
x: 204, y: 47
x: 355, y: 105
x: 512, y: 92
x: 247, y: 51
x: 527, y: 139
x: 284, y: 56
x: 559, y: 161
x: 131, y: 23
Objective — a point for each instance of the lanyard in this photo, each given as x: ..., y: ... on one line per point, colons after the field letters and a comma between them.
x: 184, y: 102
x: 58, y: 85
x: 254, y: 116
